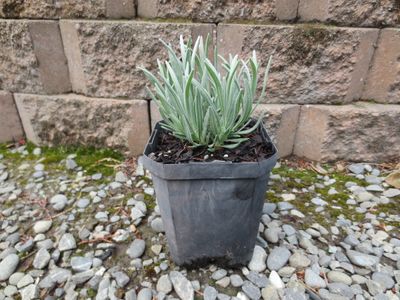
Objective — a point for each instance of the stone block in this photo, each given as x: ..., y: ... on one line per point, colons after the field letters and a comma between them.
x: 10, y: 124
x: 217, y: 11
x: 75, y: 119
x: 44, y: 9
x: 279, y: 120
x: 311, y: 63
x: 120, y: 9
x: 104, y: 56
x: 49, y: 51
x: 363, y: 131
x: 369, y: 13
x: 383, y: 82
x: 32, y: 57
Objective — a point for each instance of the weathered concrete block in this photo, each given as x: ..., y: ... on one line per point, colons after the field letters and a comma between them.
x: 217, y: 11
x: 279, y: 120
x: 32, y: 57
x: 10, y: 124
x: 369, y: 13
x: 104, y: 56
x: 120, y: 9
x: 74, y: 119
x: 281, y: 123
x: 53, y: 68
x: 359, y: 132
x: 383, y: 83
x: 67, y: 9
x: 311, y: 64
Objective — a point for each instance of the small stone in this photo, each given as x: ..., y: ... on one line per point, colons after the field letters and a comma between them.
x: 157, y: 225
x: 42, y: 226
x: 276, y: 280
x: 257, y: 262
x: 9, y: 291
x: 314, y: 280
x: 67, y: 242
x: 136, y: 213
x: 136, y: 249
x: 97, y: 176
x: 270, y: 293
x: 14, y: 278
x: 30, y: 292
x: 361, y: 259
x: 58, y: 202
x: 130, y: 295
x: 182, y: 286
x: 83, y: 203
x: 390, y: 193
x: 223, y: 282
x: 356, y: 168
x: 144, y: 294
x: 318, y: 201
x: 121, y: 278
x: 37, y: 151
x: 210, y: 293
x: 24, y: 281
x: 121, y: 177
x: 220, y: 273
x: 374, y: 287
x: 81, y: 264
x: 41, y: 259
x: 236, y: 280
x: 251, y: 290
x: 156, y: 249
x: 272, y: 235
x: 385, y: 280
x: 288, y: 197
x: 336, y: 276
x: 296, y: 213
x: 278, y: 258
x: 299, y: 261
x: 364, y: 197
x: 269, y: 208
x: 8, y: 265
x: 70, y: 164
x: 164, y: 284
x: 101, y: 216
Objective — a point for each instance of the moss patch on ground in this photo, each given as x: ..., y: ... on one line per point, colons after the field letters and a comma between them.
x: 91, y: 159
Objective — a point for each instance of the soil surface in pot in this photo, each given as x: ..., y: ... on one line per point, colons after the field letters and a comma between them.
x: 171, y: 150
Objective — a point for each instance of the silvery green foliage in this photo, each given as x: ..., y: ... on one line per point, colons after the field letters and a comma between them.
x: 201, y: 105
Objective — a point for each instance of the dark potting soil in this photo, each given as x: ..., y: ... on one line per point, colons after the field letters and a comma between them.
x: 171, y: 150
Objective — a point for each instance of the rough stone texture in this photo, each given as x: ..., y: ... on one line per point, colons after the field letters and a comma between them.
x: 359, y: 132
x: 281, y: 123
x: 49, y: 50
x: 217, y: 11
x: 10, y: 124
x: 44, y: 9
x: 19, y: 69
x: 279, y: 120
x: 311, y: 64
x: 120, y: 9
x: 383, y: 82
x: 370, y: 13
x: 32, y: 57
x: 73, y: 119
x: 106, y: 55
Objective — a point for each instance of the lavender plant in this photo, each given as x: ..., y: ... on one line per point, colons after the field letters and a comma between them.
x: 200, y: 104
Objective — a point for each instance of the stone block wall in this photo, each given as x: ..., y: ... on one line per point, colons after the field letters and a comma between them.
x: 69, y: 70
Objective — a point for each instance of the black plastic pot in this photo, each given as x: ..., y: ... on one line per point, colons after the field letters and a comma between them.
x: 210, y: 210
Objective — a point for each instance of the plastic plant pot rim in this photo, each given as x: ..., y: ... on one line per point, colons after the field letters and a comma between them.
x: 205, y: 170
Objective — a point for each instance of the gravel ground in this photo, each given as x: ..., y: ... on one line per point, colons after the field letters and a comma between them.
x: 78, y: 225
